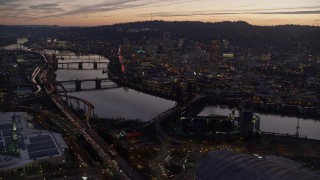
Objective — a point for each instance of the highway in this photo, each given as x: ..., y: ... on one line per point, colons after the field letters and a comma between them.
x: 118, y: 166
x: 158, y: 161
x: 34, y: 76
x: 116, y: 163
x: 89, y: 105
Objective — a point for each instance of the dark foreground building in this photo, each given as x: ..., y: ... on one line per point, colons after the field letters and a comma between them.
x: 230, y: 165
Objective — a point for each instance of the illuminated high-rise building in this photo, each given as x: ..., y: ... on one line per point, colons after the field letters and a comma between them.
x: 225, y: 45
x: 166, y: 41
x: 215, y: 52
x: 126, y: 52
x: 151, y: 49
x: 248, y: 122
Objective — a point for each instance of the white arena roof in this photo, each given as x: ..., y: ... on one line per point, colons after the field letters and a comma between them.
x: 229, y: 165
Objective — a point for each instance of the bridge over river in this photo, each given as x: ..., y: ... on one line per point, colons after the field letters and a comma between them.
x: 118, y: 166
x: 82, y: 65
x: 74, y: 85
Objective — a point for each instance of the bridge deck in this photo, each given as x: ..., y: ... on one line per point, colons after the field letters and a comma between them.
x: 84, y: 62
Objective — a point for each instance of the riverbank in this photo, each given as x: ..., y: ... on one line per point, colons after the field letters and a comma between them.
x: 144, y: 89
x: 133, y: 104
x: 232, y: 102
x: 116, y: 121
x: 268, y: 109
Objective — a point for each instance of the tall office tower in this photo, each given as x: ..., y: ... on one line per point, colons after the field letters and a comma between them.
x: 215, y: 52
x: 166, y: 41
x: 126, y: 52
x: 246, y: 117
x: 151, y: 49
x: 225, y: 45
x: 180, y: 41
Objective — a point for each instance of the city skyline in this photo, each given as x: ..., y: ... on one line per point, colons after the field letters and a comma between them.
x: 160, y: 94
x: 99, y: 12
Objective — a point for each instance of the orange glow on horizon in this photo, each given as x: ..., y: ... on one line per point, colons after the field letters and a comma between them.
x: 100, y: 12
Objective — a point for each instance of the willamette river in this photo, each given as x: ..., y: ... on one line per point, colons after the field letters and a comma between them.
x: 275, y: 123
x: 128, y: 103
x: 119, y: 102
x: 123, y: 102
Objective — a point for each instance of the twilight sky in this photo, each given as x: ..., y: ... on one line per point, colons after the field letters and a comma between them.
x: 103, y: 12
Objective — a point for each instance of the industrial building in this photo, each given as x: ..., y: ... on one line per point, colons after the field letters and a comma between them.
x: 201, y: 125
x: 245, y: 123
x: 22, y: 147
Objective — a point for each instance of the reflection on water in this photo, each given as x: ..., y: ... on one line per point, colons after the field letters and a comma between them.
x: 275, y: 123
x: 17, y: 46
x: 216, y: 110
x: 132, y: 104
x: 117, y: 102
x: 67, y: 56
x: 120, y: 102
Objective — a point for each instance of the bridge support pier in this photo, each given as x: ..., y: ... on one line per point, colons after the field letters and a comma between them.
x: 78, y: 104
x: 69, y: 102
x: 98, y: 83
x: 95, y: 65
x: 78, y: 85
x: 84, y: 109
x: 80, y: 65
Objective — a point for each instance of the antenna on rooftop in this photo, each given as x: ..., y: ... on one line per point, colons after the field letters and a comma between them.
x: 298, y: 127
x: 12, y: 149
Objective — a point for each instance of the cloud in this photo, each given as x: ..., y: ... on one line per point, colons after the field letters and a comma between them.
x: 290, y: 12
x: 77, y: 9
x: 104, y: 7
x: 113, y: 5
x: 3, y: 2
x: 189, y: 13
x: 296, y: 8
x: 45, y: 7
x: 83, y: 9
x: 7, y: 5
x: 225, y: 12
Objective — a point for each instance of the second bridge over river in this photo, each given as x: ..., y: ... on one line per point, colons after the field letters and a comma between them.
x: 76, y: 85
x: 82, y: 65
x: 91, y: 84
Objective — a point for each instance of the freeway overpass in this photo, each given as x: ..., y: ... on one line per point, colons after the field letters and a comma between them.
x: 162, y: 136
x: 118, y: 166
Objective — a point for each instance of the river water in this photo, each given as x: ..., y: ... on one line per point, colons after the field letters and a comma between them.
x: 275, y: 123
x: 18, y: 45
x: 124, y: 102
x: 120, y: 102
x: 128, y: 103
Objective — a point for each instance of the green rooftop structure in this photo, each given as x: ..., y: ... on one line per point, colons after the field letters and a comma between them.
x: 12, y: 149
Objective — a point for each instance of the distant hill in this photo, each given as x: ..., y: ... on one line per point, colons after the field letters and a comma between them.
x: 238, y: 33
